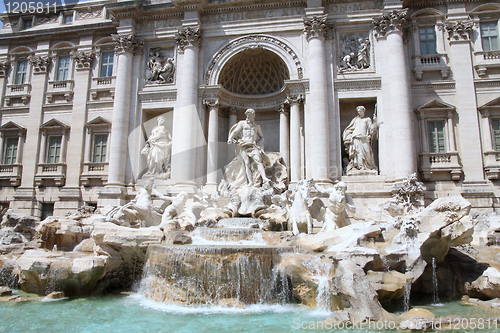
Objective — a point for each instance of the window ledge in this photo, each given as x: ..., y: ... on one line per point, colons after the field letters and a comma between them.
x: 60, y: 88
x: 492, y: 164
x: 432, y: 164
x: 430, y: 63
x: 55, y: 172
x: 485, y: 60
x: 11, y: 173
x: 97, y: 171
x: 21, y: 92
x: 102, y: 87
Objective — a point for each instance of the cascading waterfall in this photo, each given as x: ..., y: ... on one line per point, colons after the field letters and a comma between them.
x: 322, y: 272
x: 192, y: 274
x: 385, y: 262
x: 435, y: 282
x: 7, y: 275
x: 407, y: 293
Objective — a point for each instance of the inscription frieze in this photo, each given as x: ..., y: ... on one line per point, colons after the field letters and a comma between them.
x: 252, y: 14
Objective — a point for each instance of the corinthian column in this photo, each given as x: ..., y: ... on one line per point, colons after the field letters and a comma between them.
x: 284, y: 134
x: 316, y: 116
x: 126, y: 45
x: 295, y: 163
x: 213, y: 142
x: 461, y: 59
x: 400, y: 159
x: 186, y: 119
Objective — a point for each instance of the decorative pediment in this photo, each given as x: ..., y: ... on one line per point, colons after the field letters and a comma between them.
x: 492, y: 105
x: 12, y: 127
x: 435, y: 105
x: 98, y: 122
x: 54, y: 124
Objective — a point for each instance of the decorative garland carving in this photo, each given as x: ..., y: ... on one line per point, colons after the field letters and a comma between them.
x: 40, y: 64
x: 317, y: 26
x: 127, y: 43
x: 83, y: 60
x: 395, y: 20
x: 294, y: 99
x: 459, y: 30
x: 211, y: 103
x: 188, y: 37
x: 256, y: 39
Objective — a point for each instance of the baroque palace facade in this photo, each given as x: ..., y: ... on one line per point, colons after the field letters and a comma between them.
x: 82, y: 88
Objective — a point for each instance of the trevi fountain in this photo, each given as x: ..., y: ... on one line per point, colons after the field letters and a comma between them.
x: 256, y: 255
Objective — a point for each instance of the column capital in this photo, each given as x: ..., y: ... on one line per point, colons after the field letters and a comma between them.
x: 188, y: 36
x: 4, y: 67
x: 294, y: 99
x: 459, y: 30
x: 395, y: 20
x: 83, y: 60
x: 127, y: 43
x: 282, y: 108
x: 40, y: 64
x: 211, y: 103
x: 318, y: 27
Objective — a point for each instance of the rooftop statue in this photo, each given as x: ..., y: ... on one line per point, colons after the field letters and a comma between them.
x: 157, y: 149
x: 358, y: 138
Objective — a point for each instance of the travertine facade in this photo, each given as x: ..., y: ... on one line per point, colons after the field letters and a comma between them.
x: 81, y: 90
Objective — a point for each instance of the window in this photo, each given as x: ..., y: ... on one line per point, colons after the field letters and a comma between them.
x: 495, y: 123
x: 63, y: 68
x: 68, y: 18
x: 47, y: 210
x: 489, y: 36
x: 100, y: 144
x: 436, y: 133
x: 107, y: 64
x: 54, y: 149
x: 427, y: 37
x: 21, y: 71
x: 10, y: 150
x: 27, y: 23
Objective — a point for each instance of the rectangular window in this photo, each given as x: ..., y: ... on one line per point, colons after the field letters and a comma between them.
x: 427, y: 37
x: 68, y: 19
x: 495, y: 123
x: 107, y: 64
x: 437, y: 143
x: 21, y: 71
x: 100, y: 143
x: 27, y: 23
x: 47, y: 210
x: 63, y: 68
x: 489, y: 36
x: 54, y: 149
x: 10, y: 151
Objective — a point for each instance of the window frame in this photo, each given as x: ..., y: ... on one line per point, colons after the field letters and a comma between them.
x: 5, y: 155
x: 48, y: 149
x: 426, y: 42
x: 105, y: 145
x: 66, y: 75
x: 102, y: 64
x: 481, y: 24
x: 17, y: 72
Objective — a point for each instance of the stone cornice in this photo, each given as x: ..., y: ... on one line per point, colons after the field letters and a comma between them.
x: 188, y: 36
x: 317, y: 27
x: 127, y: 43
x: 395, y: 20
x: 459, y: 30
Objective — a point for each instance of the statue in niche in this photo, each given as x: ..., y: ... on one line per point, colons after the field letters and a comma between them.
x: 157, y: 149
x: 160, y: 73
x: 358, y: 138
x: 338, y: 203
x: 249, y: 140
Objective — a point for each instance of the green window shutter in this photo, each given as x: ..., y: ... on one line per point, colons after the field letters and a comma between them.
x: 100, y: 146
x: 54, y: 149
x: 10, y: 154
x: 496, y: 133
x: 437, y: 141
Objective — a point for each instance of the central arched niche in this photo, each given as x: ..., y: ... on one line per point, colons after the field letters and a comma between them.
x: 254, y: 71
